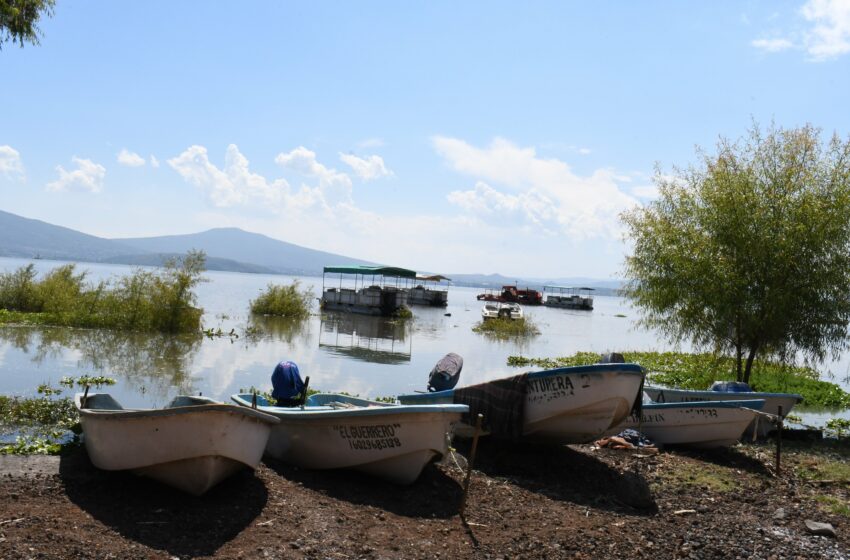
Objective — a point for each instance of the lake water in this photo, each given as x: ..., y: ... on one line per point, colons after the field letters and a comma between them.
x: 369, y: 356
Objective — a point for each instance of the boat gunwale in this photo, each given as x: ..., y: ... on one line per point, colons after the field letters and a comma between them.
x: 354, y: 412
x: 751, y: 394
x: 124, y: 413
x: 755, y: 404
x: 629, y: 368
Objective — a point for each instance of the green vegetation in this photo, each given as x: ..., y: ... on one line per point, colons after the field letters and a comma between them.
x: 838, y: 426
x: 143, y: 301
x: 43, y: 425
x: 698, y: 371
x: 833, y: 505
x: 403, y: 312
x: 748, y: 252
x: 19, y: 20
x: 701, y: 475
x: 503, y: 328
x: 283, y: 301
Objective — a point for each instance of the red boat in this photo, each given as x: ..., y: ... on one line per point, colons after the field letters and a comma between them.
x: 515, y: 295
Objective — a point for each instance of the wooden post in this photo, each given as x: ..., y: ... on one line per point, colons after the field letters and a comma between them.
x: 779, y: 445
x: 304, y: 392
x: 254, y: 400
x: 85, y: 398
x: 470, y: 462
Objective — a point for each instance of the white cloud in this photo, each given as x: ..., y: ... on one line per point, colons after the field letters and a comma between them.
x: 830, y: 36
x: 154, y: 161
x: 548, y: 194
x: 772, y: 45
x: 371, y: 143
x: 10, y: 162
x: 88, y: 176
x: 332, y: 183
x: 584, y: 151
x: 130, y: 159
x: 233, y: 184
x: 367, y: 169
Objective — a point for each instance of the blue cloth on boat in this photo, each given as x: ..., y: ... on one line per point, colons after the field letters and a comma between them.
x: 286, y: 384
x: 730, y: 387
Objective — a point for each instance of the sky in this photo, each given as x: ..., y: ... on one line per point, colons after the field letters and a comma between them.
x: 449, y: 137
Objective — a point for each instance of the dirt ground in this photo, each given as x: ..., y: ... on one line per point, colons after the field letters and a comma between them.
x: 524, y: 502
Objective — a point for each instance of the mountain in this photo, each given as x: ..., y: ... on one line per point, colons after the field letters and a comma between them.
x: 26, y: 238
x: 496, y: 281
x: 245, y: 247
x: 212, y: 263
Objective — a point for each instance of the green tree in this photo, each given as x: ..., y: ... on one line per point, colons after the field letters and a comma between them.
x: 748, y: 251
x: 19, y: 20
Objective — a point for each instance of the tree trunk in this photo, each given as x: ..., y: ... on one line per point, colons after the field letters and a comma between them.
x: 739, y: 350
x: 750, y: 357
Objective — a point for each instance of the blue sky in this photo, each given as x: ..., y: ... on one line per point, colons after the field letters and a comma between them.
x: 441, y: 136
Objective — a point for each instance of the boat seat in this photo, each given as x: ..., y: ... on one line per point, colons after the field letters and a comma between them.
x: 338, y: 404
x: 189, y: 400
x: 102, y: 401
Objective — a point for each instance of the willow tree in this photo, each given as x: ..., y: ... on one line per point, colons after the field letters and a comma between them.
x: 19, y: 19
x: 748, y: 250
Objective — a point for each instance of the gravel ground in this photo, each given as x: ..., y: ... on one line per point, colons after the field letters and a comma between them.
x: 524, y: 502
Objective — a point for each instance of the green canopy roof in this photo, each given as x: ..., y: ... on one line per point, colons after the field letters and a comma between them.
x: 373, y: 271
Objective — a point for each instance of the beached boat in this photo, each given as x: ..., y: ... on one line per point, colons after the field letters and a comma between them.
x: 192, y: 444
x: 568, y: 297
x: 772, y: 402
x: 565, y: 405
x: 496, y: 310
x: 337, y: 432
x: 369, y: 290
x: 695, y: 424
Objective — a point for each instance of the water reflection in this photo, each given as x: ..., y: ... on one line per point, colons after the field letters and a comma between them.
x: 146, y: 361
x: 280, y: 329
x: 379, y: 340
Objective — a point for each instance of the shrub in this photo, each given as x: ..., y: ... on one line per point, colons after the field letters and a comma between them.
x: 504, y: 328
x: 283, y: 301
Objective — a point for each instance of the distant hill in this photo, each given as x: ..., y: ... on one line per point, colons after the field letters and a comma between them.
x: 245, y: 247
x: 26, y: 238
x: 496, y: 281
x: 212, y: 263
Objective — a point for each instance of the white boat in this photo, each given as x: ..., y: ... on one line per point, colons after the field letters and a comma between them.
x: 566, y: 405
x: 337, y: 431
x: 695, y: 424
x: 192, y: 444
x: 772, y: 402
x: 503, y: 310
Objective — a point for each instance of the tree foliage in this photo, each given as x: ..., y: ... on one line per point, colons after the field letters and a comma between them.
x: 749, y: 251
x: 19, y: 20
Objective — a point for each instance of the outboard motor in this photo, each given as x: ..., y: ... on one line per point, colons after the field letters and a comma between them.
x: 446, y: 373
x: 611, y: 358
x: 730, y: 387
x: 287, y: 384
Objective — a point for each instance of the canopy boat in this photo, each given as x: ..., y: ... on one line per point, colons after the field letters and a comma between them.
x: 337, y: 431
x: 722, y: 391
x: 494, y: 309
x: 192, y: 444
x: 565, y: 405
x: 369, y: 290
x: 568, y: 297
x: 430, y: 290
x: 695, y: 424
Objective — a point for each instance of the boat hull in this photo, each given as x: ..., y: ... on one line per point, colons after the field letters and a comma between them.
x: 567, y: 405
x: 391, y: 442
x: 761, y: 427
x: 694, y: 424
x: 192, y: 448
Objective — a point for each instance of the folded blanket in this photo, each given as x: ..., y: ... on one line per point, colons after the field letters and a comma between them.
x: 502, y: 402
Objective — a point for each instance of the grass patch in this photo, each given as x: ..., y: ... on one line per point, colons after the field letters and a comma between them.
x: 143, y: 301
x: 503, y: 328
x: 833, y: 505
x: 702, y: 475
x: 698, y: 371
x: 283, y: 301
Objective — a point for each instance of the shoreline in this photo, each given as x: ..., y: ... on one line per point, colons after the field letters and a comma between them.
x: 524, y: 502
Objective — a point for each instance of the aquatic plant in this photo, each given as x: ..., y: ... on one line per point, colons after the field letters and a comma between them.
x: 40, y: 425
x: 403, y: 312
x: 142, y: 301
x: 838, y: 426
x: 504, y: 328
x: 283, y: 301
x: 698, y: 371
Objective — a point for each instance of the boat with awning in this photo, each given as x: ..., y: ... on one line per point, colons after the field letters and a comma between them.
x: 369, y: 290
x: 430, y: 289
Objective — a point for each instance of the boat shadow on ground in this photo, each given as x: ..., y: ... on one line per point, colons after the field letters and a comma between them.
x: 158, y: 516
x: 433, y: 495
x: 727, y: 457
x: 562, y: 473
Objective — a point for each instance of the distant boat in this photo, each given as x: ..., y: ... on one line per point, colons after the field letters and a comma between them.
x: 565, y: 405
x: 333, y: 431
x: 431, y: 290
x: 512, y: 294
x: 496, y: 310
x: 369, y: 290
x: 192, y: 444
x: 568, y: 297
x: 772, y: 401
x: 694, y: 424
